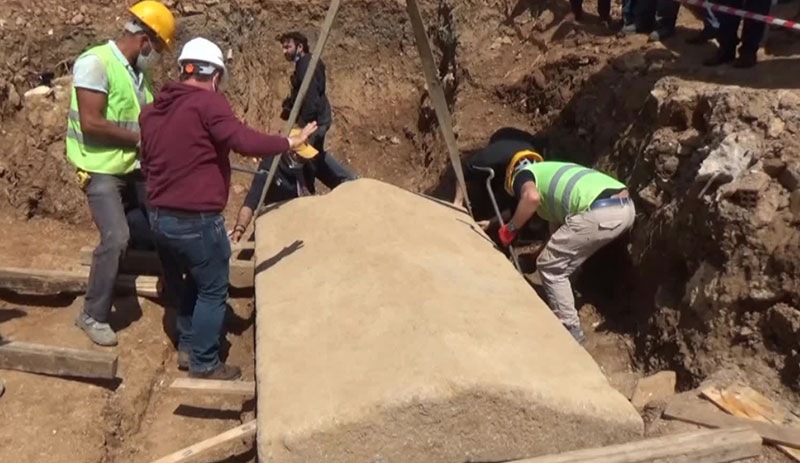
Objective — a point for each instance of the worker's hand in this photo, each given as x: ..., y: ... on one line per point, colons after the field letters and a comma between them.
x: 236, y: 234
x: 306, y: 132
x: 506, y: 236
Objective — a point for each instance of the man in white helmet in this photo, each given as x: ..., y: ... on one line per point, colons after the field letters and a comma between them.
x: 187, y: 136
x: 110, y: 85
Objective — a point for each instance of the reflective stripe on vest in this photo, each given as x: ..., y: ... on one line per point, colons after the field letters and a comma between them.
x: 122, y: 109
x: 567, y: 188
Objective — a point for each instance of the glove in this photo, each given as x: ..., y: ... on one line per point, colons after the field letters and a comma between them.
x: 506, y: 236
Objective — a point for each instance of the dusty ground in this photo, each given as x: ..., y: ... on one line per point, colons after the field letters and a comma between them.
x: 702, y: 283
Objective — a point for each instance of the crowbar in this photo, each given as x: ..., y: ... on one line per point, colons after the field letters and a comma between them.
x: 490, y: 171
x: 248, y: 170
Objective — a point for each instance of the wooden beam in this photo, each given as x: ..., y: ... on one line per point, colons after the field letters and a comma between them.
x: 706, y: 446
x: 50, y: 282
x: 705, y: 414
x: 147, y: 262
x: 239, y: 432
x: 210, y: 386
x: 58, y: 361
x: 745, y: 402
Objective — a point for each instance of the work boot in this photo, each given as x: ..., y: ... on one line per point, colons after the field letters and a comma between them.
x: 718, y: 59
x: 700, y: 38
x: 100, y: 333
x: 745, y: 61
x: 222, y: 372
x: 577, y: 333
x: 183, y: 360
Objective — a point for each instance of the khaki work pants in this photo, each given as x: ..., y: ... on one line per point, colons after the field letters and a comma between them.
x: 574, y: 242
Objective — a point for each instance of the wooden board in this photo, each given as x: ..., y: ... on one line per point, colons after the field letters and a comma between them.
x: 49, y: 282
x: 706, y: 446
x: 58, y: 361
x: 247, y: 429
x: 147, y: 262
x: 210, y: 386
x: 704, y: 413
x: 745, y: 402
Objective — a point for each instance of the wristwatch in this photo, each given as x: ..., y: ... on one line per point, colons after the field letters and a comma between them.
x: 510, y: 226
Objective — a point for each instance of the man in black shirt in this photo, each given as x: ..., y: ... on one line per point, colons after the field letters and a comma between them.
x: 316, y: 107
x: 507, y: 147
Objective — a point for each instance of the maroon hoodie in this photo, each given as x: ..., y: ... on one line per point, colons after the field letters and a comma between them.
x: 187, y: 134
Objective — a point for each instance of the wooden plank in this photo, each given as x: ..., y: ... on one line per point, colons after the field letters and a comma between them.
x: 58, y: 361
x: 706, y: 446
x: 437, y: 94
x: 211, y: 386
x: 239, y: 432
x: 330, y: 17
x: 745, y: 402
x: 48, y: 282
x: 705, y: 414
x: 241, y: 274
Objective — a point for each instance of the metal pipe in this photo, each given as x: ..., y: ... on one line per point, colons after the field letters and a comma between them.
x: 511, y: 251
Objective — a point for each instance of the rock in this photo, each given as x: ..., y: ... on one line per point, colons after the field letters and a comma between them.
x: 790, y: 177
x: 783, y: 322
x: 192, y: 8
x: 13, y: 96
x: 64, y: 81
x: 631, y: 62
x: 38, y: 92
x: 539, y: 79
x: 657, y: 387
x: 77, y: 19
x: 730, y: 158
x: 773, y: 167
x: 411, y: 360
x: 394, y: 141
x: 624, y: 382
x: 794, y: 204
x: 775, y: 127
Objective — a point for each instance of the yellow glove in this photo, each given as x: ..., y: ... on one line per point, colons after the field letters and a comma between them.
x: 83, y: 178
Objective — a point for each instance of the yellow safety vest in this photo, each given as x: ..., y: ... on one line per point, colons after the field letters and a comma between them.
x: 122, y: 109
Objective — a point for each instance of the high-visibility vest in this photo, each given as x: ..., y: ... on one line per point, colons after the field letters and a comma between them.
x: 566, y: 188
x: 122, y: 109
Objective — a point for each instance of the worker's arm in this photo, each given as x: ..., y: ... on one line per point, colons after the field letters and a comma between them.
x: 94, y: 125
x: 225, y: 128
x: 250, y: 202
x: 91, y: 88
x: 529, y: 201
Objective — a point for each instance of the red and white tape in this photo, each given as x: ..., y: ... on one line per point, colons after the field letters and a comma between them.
x: 742, y: 13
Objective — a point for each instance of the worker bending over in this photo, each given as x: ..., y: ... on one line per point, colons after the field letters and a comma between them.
x: 315, y: 107
x: 285, y: 185
x: 507, y: 148
x: 110, y: 86
x: 587, y: 208
x: 187, y: 136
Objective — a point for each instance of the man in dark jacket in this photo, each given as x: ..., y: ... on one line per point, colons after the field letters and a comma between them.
x: 187, y: 135
x: 315, y: 107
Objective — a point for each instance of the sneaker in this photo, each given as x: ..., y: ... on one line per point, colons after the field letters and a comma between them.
x: 223, y: 372
x: 100, y: 333
x: 183, y: 360
x: 577, y: 333
x: 628, y: 29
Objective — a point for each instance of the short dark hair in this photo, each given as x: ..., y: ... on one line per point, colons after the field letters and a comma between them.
x: 296, y: 37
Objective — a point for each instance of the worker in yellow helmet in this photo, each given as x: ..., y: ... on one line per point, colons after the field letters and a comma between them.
x: 111, y: 84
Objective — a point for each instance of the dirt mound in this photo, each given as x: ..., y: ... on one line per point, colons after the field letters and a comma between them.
x: 416, y: 329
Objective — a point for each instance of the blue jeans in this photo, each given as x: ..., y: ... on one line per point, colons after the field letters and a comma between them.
x: 195, y: 255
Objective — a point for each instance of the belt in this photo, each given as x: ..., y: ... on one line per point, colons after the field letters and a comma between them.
x: 182, y: 214
x: 600, y: 203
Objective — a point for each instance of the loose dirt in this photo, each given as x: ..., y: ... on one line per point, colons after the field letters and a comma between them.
x: 705, y: 280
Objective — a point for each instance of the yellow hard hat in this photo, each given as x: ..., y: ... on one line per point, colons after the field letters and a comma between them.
x: 528, y: 155
x: 305, y: 150
x: 158, y: 18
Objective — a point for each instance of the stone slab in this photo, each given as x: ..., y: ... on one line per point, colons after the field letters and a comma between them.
x: 390, y: 329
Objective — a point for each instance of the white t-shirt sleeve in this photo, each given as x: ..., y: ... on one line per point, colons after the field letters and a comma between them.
x: 90, y: 73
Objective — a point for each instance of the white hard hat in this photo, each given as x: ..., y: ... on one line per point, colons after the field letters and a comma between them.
x: 203, y: 50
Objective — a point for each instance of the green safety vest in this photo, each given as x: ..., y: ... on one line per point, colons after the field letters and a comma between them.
x: 567, y: 188
x: 122, y: 109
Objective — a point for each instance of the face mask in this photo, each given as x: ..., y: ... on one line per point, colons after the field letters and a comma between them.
x: 145, y: 63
